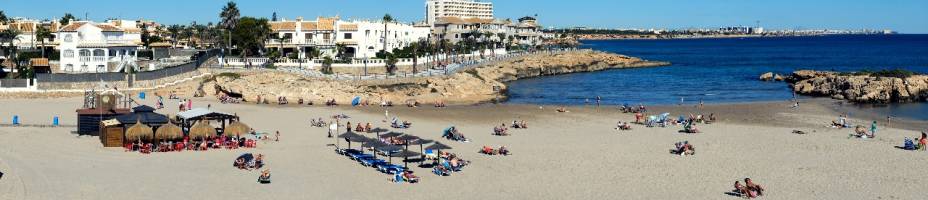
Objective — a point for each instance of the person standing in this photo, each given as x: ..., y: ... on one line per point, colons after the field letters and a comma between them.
x: 873, y: 129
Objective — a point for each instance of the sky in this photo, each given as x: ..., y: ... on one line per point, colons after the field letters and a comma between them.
x: 905, y: 16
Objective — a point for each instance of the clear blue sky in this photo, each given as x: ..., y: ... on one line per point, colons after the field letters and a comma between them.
x: 908, y: 16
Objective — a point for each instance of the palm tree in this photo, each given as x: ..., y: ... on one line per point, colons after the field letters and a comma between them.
x: 41, y: 34
x: 391, y: 64
x: 327, y: 65
x: 386, y: 20
x: 68, y: 17
x: 174, y: 30
x: 8, y: 36
x: 340, y: 52
x: 229, y: 18
x: 3, y: 17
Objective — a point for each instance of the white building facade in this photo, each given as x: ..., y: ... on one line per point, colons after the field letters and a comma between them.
x: 359, y: 39
x: 465, y: 9
x: 88, y: 47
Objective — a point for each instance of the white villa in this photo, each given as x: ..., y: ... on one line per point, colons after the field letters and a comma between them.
x: 97, y: 47
x: 360, y: 39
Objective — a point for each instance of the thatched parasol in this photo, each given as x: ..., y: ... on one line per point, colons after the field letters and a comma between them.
x: 169, y: 131
x: 237, y: 128
x: 202, y: 129
x: 139, y: 131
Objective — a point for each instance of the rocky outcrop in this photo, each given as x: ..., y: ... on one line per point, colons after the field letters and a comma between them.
x: 861, y: 88
x: 770, y: 76
x: 476, y: 85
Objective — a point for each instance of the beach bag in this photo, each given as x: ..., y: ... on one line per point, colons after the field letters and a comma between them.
x: 908, y: 144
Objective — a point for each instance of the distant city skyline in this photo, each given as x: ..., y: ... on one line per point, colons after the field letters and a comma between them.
x: 904, y: 16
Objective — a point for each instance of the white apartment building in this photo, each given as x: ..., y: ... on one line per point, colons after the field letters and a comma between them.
x: 465, y: 9
x: 88, y: 47
x: 360, y: 39
x: 455, y: 29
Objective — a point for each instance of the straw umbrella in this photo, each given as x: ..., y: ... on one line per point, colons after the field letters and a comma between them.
x: 438, y: 146
x: 352, y: 137
x: 236, y: 128
x: 202, y: 129
x: 405, y: 154
x: 376, y: 144
x: 139, y: 131
x: 169, y: 131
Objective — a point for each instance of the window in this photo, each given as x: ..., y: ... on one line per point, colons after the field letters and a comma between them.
x: 98, y: 52
x: 85, y: 52
x: 308, y: 36
x: 67, y: 37
x: 68, y: 54
x: 347, y: 36
x: 69, y: 67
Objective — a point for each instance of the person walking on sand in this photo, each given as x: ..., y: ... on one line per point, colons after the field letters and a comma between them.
x: 873, y: 129
x: 598, y: 100
x: 277, y: 136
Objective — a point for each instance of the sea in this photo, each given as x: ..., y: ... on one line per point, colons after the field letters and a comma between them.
x: 726, y: 70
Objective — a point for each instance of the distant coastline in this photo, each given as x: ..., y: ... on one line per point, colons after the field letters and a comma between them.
x: 673, y: 37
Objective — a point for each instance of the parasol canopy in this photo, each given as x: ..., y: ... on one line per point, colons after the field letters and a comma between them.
x: 169, y: 131
x: 202, y: 129
x: 438, y: 146
x: 139, y: 131
x: 391, y: 134
x: 237, y: 128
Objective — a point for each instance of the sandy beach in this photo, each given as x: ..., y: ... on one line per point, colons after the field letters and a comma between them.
x: 574, y: 155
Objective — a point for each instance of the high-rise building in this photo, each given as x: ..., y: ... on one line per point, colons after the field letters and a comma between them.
x: 465, y: 9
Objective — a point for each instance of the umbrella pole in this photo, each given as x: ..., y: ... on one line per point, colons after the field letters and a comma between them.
x: 421, y: 151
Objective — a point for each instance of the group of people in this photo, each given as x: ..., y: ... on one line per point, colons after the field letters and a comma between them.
x: 861, y: 132
x: 395, y: 123
x: 412, y: 104
x: 749, y: 189
x: 215, y: 142
x: 361, y: 128
x: 625, y: 108
x: 249, y: 162
x: 440, y: 104
x: 331, y: 102
x: 452, y: 133
x: 922, y: 144
x: 317, y: 123
x: 841, y: 123
x: 623, y: 126
x: 224, y: 98
x: 501, y: 130
x: 519, y: 124
x: 683, y: 148
x: 281, y: 100
x: 448, y: 163
x: 502, y: 150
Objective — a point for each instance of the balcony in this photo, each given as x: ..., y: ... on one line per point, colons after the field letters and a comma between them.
x: 92, y: 58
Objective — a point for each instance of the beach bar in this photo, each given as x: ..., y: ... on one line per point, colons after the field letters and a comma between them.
x: 188, y: 118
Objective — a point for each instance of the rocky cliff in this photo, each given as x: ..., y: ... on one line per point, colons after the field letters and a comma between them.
x: 466, y: 87
x: 861, y: 88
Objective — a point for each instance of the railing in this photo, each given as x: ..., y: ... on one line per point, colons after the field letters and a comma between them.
x: 93, y: 59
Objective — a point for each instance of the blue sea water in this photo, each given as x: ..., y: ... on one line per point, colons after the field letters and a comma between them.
x: 726, y: 70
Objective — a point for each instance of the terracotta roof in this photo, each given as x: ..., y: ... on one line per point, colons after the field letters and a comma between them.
x: 283, y: 26
x: 38, y: 62
x: 347, y: 27
x: 308, y: 26
x: 326, y: 23
x: 73, y: 26
x: 108, y: 28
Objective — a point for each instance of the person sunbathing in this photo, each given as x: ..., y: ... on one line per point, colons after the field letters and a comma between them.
x: 265, y: 177
x: 503, y: 151
x: 923, y: 142
x: 860, y: 132
x: 409, y: 177
x: 741, y: 190
x: 359, y: 128
x: 562, y: 109
x: 755, y: 189
x: 488, y: 150
x: 240, y: 163
x: 368, y: 127
x: 259, y: 161
x: 523, y: 125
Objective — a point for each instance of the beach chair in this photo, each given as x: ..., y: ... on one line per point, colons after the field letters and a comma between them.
x: 431, y: 154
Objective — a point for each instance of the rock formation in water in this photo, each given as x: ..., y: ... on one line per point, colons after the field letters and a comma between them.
x: 860, y: 87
